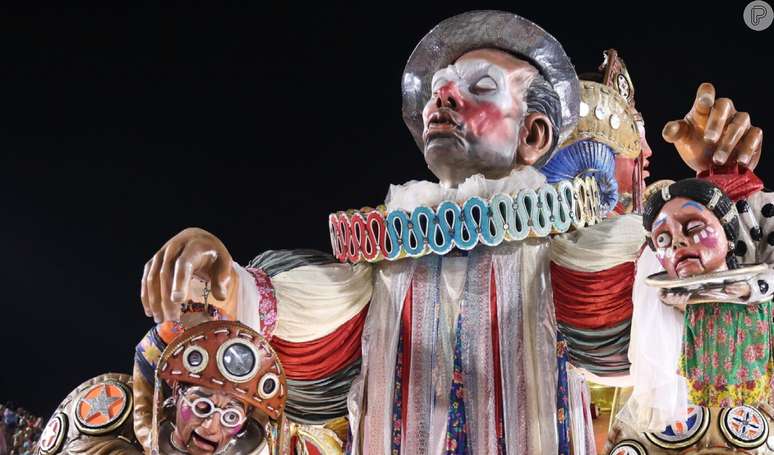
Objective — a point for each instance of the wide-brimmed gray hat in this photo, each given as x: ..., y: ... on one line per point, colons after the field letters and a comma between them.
x: 508, y: 32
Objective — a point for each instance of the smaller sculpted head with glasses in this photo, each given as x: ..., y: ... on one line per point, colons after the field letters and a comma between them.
x: 206, y: 420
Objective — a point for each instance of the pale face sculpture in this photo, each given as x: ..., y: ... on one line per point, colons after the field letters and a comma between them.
x: 206, y: 420
x: 689, y: 239
x: 476, y: 120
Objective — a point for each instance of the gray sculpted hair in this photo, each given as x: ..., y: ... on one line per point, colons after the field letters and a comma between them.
x: 541, y: 97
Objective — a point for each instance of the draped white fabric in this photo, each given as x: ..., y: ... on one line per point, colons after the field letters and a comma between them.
x: 581, y: 425
x: 660, y: 395
x: 371, y: 395
x: 410, y: 195
x: 247, y: 310
x: 539, y: 339
x: 314, y: 300
x: 527, y: 346
x: 601, y: 246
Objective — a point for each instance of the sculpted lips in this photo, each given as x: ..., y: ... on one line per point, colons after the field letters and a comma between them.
x: 684, y: 259
x: 443, y: 121
x: 204, y: 443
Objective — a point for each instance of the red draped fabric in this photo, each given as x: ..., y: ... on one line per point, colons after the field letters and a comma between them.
x: 320, y: 358
x: 593, y: 300
x: 736, y: 181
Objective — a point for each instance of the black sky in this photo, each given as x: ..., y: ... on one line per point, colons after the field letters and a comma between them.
x: 120, y: 127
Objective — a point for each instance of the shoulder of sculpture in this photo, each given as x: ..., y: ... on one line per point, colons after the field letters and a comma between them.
x: 94, y: 418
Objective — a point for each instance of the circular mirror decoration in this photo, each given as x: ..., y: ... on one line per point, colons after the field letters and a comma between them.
x: 744, y: 426
x: 102, y: 408
x: 628, y: 447
x: 269, y: 386
x: 53, y: 434
x: 680, y: 435
x: 195, y: 359
x: 238, y: 360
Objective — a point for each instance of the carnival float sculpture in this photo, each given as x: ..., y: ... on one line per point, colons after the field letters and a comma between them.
x: 464, y: 315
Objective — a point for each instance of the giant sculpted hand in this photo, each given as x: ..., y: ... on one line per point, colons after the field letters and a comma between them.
x: 167, y: 276
x: 713, y: 133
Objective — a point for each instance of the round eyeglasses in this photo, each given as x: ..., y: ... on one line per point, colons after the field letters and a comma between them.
x: 203, y: 407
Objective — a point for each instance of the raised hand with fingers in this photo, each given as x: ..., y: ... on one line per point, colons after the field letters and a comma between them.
x: 714, y: 133
x: 167, y: 275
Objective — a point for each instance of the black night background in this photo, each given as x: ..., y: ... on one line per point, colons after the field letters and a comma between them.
x: 121, y: 126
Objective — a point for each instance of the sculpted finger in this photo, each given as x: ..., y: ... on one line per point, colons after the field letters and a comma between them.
x: 153, y: 285
x: 221, y: 278
x: 735, y: 130
x: 719, y: 116
x: 165, y: 279
x: 144, y: 290
x: 755, y: 158
x: 189, y: 260
x: 702, y: 105
x: 675, y: 130
x: 183, y: 272
x: 749, y: 147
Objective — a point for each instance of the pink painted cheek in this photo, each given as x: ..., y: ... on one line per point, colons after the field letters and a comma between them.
x: 186, y: 413
x: 710, y: 242
x: 233, y: 431
x: 485, y: 119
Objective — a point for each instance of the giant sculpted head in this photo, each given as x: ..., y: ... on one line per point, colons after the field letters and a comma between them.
x: 486, y: 92
x: 478, y: 119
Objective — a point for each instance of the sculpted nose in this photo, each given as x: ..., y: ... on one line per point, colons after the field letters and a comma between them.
x: 679, y: 242
x: 211, y: 423
x: 449, y: 97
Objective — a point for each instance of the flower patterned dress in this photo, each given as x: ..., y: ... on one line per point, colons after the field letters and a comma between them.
x: 727, y: 348
x: 727, y: 353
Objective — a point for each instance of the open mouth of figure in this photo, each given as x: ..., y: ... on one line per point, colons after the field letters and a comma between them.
x: 686, y: 260
x: 204, y: 443
x: 441, y: 122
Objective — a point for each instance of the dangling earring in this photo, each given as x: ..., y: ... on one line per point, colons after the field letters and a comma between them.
x: 170, y: 402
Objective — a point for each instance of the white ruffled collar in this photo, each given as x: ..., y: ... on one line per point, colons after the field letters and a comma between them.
x: 414, y: 193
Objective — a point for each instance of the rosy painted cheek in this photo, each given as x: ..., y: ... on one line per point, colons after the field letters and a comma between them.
x: 707, y: 238
x: 485, y: 119
x: 710, y: 242
x: 233, y: 431
x: 186, y: 413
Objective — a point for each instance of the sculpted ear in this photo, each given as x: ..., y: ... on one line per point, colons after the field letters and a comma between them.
x: 535, y: 138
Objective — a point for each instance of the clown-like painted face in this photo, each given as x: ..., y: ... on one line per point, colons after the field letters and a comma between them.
x: 206, y: 420
x: 689, y: 239
x: 472, y: 123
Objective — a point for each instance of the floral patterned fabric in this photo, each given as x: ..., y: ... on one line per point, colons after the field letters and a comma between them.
x: 267, y: 306
x: 456, y: 431
x: 562, y: 396
x: 727, y: 354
